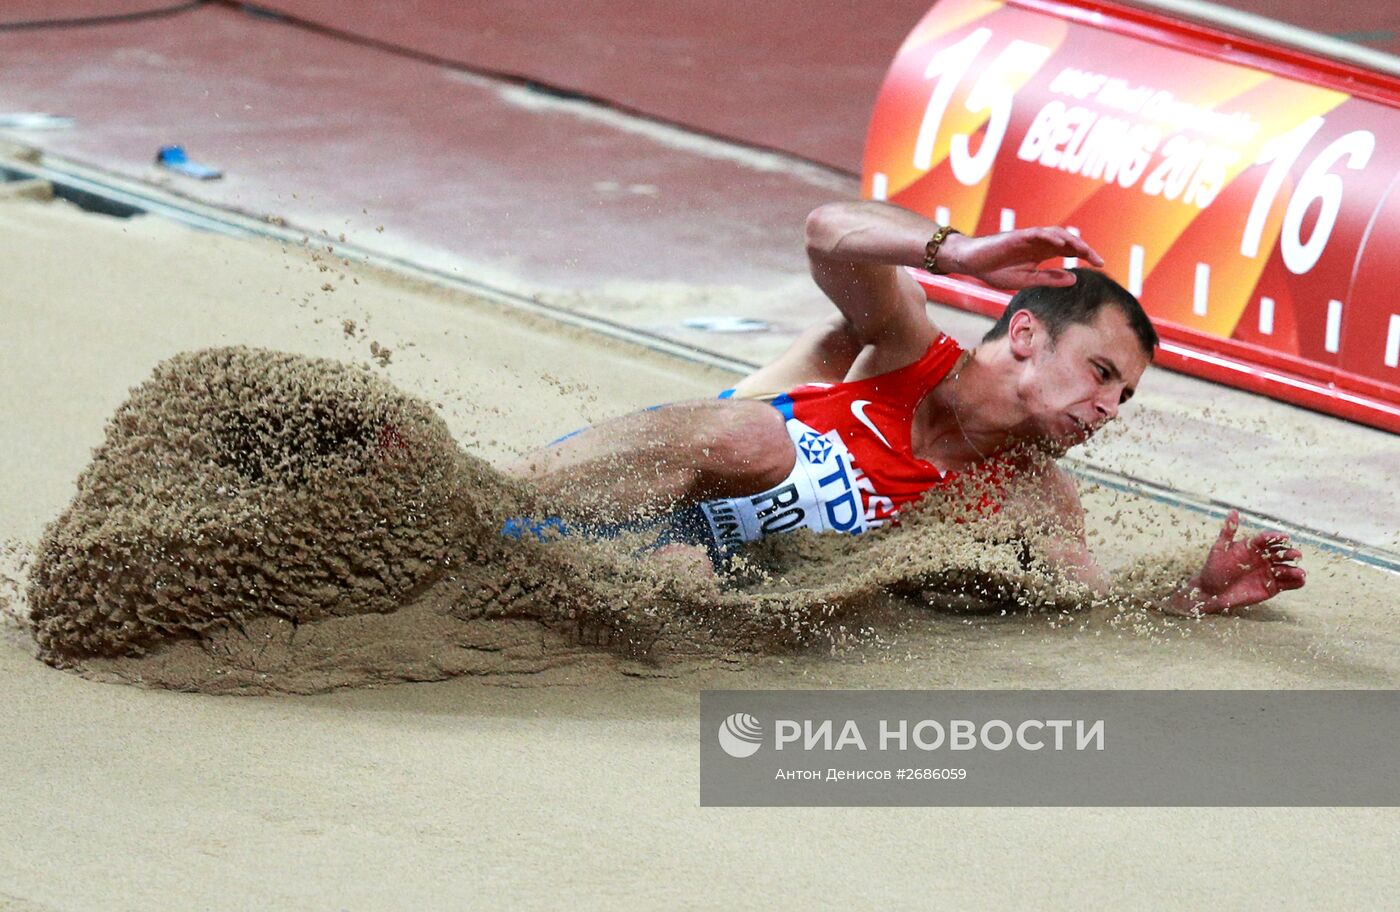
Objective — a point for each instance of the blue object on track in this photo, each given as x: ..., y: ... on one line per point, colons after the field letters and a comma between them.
x: 175, y: 159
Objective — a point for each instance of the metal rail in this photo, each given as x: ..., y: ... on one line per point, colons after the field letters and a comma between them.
x: 1277, y: 33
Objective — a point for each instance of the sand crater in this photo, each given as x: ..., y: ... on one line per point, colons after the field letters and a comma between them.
x: 256, y: 520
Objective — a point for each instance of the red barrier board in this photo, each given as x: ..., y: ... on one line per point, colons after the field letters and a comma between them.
x: 1249, y: 195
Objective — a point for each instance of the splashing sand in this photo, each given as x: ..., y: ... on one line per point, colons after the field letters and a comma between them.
x: 264, y: 521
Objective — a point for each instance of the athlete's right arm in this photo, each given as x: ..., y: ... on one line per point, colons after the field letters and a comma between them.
x: 856, y: 249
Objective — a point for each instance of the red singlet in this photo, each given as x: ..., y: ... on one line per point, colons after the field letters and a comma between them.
x: 855, y: 465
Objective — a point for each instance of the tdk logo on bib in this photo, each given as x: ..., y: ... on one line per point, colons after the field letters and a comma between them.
x: 815, y: 447
x: 840, y: 500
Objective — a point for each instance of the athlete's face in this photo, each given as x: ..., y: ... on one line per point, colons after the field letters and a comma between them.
x: 1073, y: 385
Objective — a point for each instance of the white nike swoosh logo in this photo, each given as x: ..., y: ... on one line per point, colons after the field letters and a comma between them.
x: 858, y: 409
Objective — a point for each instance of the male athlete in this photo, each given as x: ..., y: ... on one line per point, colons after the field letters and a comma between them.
x: 868, y: 411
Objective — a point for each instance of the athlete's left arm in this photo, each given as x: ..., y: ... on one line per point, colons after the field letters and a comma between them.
x: 1237, y: 572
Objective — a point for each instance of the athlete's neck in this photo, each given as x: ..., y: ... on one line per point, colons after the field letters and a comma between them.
x: 962, y: 421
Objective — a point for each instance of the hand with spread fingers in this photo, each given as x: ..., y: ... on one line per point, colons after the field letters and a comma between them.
x: 1240, y: 572
x: 1010, y: 260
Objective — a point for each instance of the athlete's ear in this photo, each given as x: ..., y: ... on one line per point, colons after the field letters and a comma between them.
x: 1024, y: 333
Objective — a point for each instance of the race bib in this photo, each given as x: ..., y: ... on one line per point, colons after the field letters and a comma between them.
x: 819, y: 494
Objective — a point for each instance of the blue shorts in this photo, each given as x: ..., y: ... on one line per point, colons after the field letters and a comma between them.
x: 684, y: 526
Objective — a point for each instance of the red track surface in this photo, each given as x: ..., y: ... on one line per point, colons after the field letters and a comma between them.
x: 318, y: 130
x: 28, y: 10
x: 789, y: 75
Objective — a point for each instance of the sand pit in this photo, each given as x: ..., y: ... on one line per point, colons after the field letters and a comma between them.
x: 569, y: 771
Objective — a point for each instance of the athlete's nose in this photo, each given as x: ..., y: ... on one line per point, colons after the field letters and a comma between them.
x: 1107, y: 406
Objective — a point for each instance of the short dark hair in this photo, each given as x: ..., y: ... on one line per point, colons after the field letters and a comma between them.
x: 1060, y: 308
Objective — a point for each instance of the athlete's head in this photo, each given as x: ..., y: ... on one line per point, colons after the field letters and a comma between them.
x: 1081, y: 350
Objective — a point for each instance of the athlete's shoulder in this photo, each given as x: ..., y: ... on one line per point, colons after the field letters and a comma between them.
x: 915, y: 378
x: 943, y: 347
x: 940, y: 349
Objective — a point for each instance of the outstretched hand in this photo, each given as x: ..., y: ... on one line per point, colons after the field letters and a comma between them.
x: 1241, y: 572
x: 1010, y: 260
